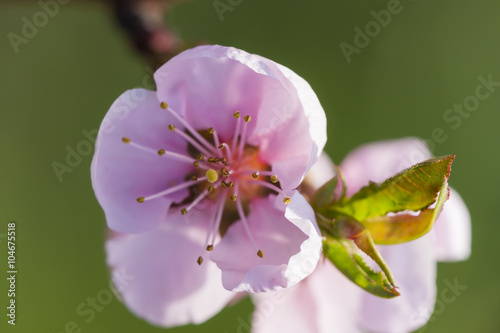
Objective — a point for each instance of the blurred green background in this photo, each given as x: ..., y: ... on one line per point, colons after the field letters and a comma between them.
x: 64, y: 79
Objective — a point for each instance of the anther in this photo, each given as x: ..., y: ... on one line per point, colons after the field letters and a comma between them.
x: 212, y: 176
x: 260, y: 253
x: 236, y: 114
x: 211, y: 160
x: 200, y: 157
x: 233, y: 197
x: 274, y: 179
x: 247, y: 118
x: 224, y: 172
x: 164, y: 105
x: 140, y: 199
x: 287, y: 200
x: 196, y: 164
x: 224, y: 184
x: 255, y: 175
x: 221, y: 146
x: 171, y: 127
x: 161, y: 152
x: 230, y: 184
x: 184, y: 211
x: 200, y: 260
x: 194, y: 178
x: 125, y: 140
x: 210, y: 188
x: 211, y: 130
x: 210, y: 247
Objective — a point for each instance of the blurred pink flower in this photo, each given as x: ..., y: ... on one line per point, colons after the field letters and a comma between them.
x: 327, y: 301
x: 221, y: 145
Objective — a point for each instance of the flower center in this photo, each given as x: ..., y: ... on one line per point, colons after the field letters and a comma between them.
x: 224, y: 172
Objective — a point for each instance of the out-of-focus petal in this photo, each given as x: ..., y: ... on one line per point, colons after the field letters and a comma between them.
x: 453, y: 230
x: 121, y: 172
x: 321, y: 172
x: 165, y: 285
x: 291, y: 244
x: 413, y: 265
x: 324, y: 302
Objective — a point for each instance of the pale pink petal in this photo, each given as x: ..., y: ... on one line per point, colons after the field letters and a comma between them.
x: 164, y: 283
x: 324, y: 302
x: 413, y: 265
x: 207, y: 84
x: 453, y: 230
x: 380, y: 160
x: 291, y: 244
x: 321, y: 172
x: 121, y: 173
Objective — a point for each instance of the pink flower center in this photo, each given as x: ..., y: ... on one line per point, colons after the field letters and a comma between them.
x: 225, y: 172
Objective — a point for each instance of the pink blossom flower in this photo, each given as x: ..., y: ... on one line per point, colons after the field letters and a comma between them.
x: 218, y: 149
x: 327, y: 301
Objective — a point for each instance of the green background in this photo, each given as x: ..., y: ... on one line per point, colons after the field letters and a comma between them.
x: 63, y: 81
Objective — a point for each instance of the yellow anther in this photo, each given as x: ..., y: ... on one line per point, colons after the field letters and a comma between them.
x: 233, y: 197
x: 274, y: 179
x: 236, y: 114
x: 212, y: 176
x: 247, y: 118
x: 140, y: 199
x: 255, y: 175
x: 221, y: 146
x: 194, y: 178
x: 196, y: 164
x: 200, y: 157
x: 230, y: 184
x: 210, y: 188
x: 211, y: 160
x: 200, y: 260
x: 210, y: 247
x: 125, y: 140
x: 224, y: 172
x: 164, y: 105
x: 287, y: 200
x: 260, y: 253
x: 184, y: 211
x: 224, y: 184
x: 161, y: 152
x: 171, y: 127
x: 211, y: 130
x: 223, y: 160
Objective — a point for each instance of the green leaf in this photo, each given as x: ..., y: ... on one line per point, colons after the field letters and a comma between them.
x: 405, y: 227
x: 342, y: 253
x: 414, y: 189
x: 325, y: 194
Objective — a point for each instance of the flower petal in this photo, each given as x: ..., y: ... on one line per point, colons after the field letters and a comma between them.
x: 321, y: 172
x: 207, y: 84
x: 166, y: 286
x: 291, y: 244
x: 121, y: 172
x: 324, y: 302
x: 414, y: 267
x: 453, y: 230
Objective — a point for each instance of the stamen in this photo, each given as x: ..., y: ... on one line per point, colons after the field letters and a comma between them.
x: 196, y: 201
x: 125, y: 140
x: 233, y: 197
x: 161, y: 152
x: 171, y: 190
x: 237, y: 130
x: 216, y: 140
x: 247, y: 229
x: 286, y: 200
x: 218, y: 219
x: 186, y: 125
x: 228, y: 152
x: 274, y: 179
x: 200, y: 157
x: 243, y: 136
x: 200, y: 260
x: 255, y: 175
x: 190, y: 140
